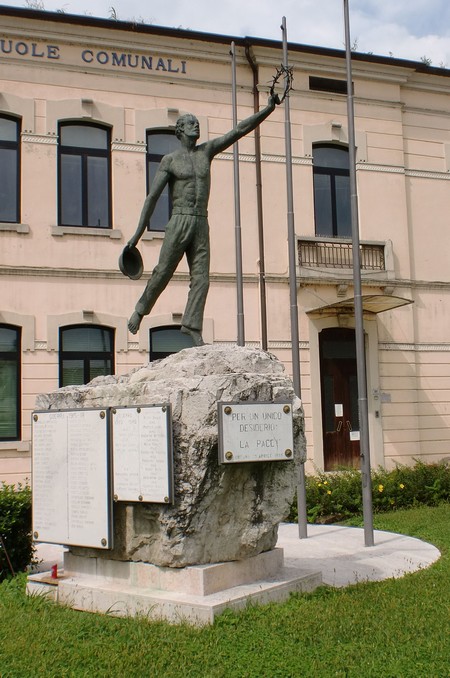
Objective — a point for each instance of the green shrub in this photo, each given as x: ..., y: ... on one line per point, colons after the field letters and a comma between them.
x: 405, y: 486
x: 15, y: 529
x: 337, y: 495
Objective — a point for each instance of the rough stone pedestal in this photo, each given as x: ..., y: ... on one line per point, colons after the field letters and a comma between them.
x: 214, y: 547
x: 221, y: 512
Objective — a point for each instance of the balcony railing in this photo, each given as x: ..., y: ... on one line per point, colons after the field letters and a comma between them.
x: 338, y: 254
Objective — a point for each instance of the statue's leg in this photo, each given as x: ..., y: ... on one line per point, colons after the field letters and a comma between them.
x: 198, y: 259
x: 172, y: 251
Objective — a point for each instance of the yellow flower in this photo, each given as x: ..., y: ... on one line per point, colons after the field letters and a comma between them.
x: 329, y: 492
x: 401, y: 486
x: 380, y: 488
x: 325, y: 482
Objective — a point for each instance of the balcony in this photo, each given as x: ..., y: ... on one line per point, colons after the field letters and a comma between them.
x: 332, y: 258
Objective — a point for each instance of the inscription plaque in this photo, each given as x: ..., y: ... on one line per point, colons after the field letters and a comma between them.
x: 142, y: 454
x: 255, y: 432
x: 71, y: 478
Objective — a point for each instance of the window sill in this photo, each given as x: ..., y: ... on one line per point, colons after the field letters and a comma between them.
x: 115, y: 234
x: 14, y: 445
x: 14, y: 228
x: 153, y: 235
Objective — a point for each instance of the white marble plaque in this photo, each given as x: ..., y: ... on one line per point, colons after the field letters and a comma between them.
x: 71, y: 478
x: 142, y: 454
x: 255, y: 432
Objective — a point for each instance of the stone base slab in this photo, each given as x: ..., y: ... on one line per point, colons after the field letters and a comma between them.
x: 198, y: 580
x: 195, y: 594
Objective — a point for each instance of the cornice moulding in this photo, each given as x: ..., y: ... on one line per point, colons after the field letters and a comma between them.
x: 128, y: 147
x: 48, y: 139
x: 393, y: 346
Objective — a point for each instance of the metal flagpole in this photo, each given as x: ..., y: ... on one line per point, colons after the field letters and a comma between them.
x: 237, y: 213
x: 301, y: 490
x: 359, y: 327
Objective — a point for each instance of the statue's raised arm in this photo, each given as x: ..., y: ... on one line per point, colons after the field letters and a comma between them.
x: 244, y: 127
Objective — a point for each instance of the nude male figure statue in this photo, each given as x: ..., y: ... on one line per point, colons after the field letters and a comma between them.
x: 187, y: 172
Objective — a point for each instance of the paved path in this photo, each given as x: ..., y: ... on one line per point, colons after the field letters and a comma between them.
x: 339, y: 552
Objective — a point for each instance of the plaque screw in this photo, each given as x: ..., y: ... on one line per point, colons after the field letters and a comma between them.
x: 229, y: 455
x: 166, y: 499
x: 228, y: 410
x: 286, y: 409
x: 140, y: 497
x: 35, y: 535
x: 35, y: 417
x: 116, y: 497
x: 138, y: 410
x: 114, y: 411
x: 164, y: 408
x: 288, y: 453
x: 102, y: 415
x: 104, y: 542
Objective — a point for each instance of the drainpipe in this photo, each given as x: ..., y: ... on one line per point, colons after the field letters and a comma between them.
x: 259, y: 204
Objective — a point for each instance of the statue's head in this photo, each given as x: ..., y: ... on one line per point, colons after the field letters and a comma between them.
x: 187, y: 124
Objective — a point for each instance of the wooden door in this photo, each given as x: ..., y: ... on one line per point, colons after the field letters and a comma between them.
x: 340, y: 419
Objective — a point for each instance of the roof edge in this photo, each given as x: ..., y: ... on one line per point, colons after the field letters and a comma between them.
x: 151, y: 29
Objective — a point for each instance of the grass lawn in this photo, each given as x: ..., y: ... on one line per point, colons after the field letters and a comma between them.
x: 393, y: 629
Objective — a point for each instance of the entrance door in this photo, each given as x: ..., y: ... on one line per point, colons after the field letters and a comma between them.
x: 340, y: 419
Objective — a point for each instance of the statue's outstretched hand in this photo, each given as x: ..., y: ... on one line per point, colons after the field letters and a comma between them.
x: 274, y: 100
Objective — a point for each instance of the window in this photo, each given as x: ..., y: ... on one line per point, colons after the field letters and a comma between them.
x: 86, y: 351
x: 84, y: 176
x: 332, y: 191
x: 9, y: 382
x: 167, y: 340
x: 159, y: 143
x: 327, y: 85
x: 9, y: 170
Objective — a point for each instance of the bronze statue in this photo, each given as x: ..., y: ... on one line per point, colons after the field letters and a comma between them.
x: 187, y: 171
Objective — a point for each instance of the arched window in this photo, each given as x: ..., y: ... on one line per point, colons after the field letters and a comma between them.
x: 159, y: 143
x: 331, y: 191
x: 9, y: 382
x: 85, y: 352
x: 84, y: 175
x: 9, y: 169
x: 167, y: 340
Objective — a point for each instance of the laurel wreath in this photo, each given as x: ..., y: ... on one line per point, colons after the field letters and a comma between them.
x: 287, y: 74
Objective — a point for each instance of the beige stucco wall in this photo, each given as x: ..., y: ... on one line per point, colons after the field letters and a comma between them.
x: 51, y: 275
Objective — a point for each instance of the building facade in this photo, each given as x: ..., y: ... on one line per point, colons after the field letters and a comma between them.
x: 87, y: 109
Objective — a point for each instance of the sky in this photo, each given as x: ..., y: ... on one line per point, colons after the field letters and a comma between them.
x: 404, y: 29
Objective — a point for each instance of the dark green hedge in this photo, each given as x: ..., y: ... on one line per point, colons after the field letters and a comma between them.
x: 337, y: 495
x: 15, y: 529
